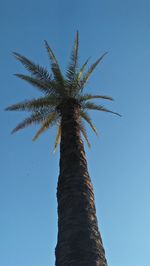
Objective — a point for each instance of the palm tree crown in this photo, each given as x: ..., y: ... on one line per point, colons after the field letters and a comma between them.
x: 58, y: 91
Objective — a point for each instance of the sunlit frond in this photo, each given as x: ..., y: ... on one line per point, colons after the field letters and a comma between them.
x: 46, y: 124
x: 71, y: 70
x: 34, y: 104
x: 55, y: 66
x: 41, y: 85
x: 86, y: 97
x: 91, y: 69
x: 76, y: 83
x: 83, y: 131
x: 87, y: 118
x: 36, y: 70
x: 33, y: 119
x: 58, y: 137
x: 93, y: 106
x: 82, y: 69
x: 48, y: 87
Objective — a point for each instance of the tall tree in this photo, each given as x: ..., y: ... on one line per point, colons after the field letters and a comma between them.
x: 65, y: 105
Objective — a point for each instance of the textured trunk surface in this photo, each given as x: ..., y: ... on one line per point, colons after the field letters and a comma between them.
x: 79, y: 241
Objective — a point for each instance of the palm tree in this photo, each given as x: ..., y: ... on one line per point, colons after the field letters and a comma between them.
x: 65, y: 105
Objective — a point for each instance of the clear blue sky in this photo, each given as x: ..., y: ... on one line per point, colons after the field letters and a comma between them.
x: 119, y: 160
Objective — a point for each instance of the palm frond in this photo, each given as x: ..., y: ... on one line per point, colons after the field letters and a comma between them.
x: 71, y: 71
x: 36, y: 70
x: 76, y: 83
x: 81, y: 71
x: 58, y: 137
x: 42, y: 85
x: 54, y: 65
x: 46, y: 124
x: 83, y: 131
x: 49, y: 87
x: 91, y: 69
x: 34, y: 104
x: 33, y: 119
x: 87, y: 118
x: 86, y: 97
x: 93, y: 106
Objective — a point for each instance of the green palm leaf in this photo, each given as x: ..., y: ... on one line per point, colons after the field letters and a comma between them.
x: 46, y: 124
x: 34, y: 104
x: 76, y: 83
x: 36, y: 70
x: 33, y: 119
x: 86, y: 97
x: 93, y: 106
x: 91, y: 69
x: 48, y: 87
x: 80, y: 73
x: 71, y: 71
x: 43, y: 85
x: 87, y: 118
x: 55, y: 66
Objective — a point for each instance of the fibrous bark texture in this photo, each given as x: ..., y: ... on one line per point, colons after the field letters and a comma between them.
x: 79, y: 241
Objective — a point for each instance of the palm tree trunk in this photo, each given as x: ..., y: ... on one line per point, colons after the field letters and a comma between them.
x: 79, y: 241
